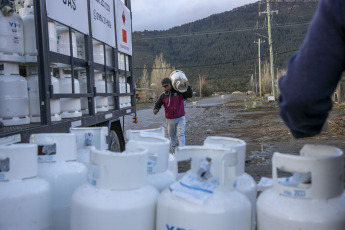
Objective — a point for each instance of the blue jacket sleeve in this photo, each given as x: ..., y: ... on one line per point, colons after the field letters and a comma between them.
x: 314, y: 71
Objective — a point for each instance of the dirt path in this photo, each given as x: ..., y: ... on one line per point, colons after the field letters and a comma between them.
x: 243, y: 116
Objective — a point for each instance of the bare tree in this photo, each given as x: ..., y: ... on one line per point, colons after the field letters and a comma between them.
x: 144, y: 79
x: 160, y: 70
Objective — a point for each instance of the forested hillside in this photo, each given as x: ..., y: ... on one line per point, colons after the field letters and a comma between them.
x: 221, y: 47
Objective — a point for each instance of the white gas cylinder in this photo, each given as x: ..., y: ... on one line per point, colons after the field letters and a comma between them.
x: 317, y: 204
x: 109, y: 55
x: 110, y: 89
x: 157, y: 166
x: 11, y: 38
x: 205, y: 198
x: 244, y: 182
x: 14, y: 102
x: 25, y: 199
x: 52, y: 36
x: 127, y: 63
x: 30, y: 49
x: 83, y: 154
x: 101, y: 101
x: 70, y: 107
x: 98, y: 52
x: 99, y: 136
x: 57, y: 154
x: 34, y: 102
x: 121, y: 60
x: 122, y: 87
x: 84, y: 100
x: 80, y: 46
x: 63, y: 42
x: 117, y: 195
x: 132, y: 133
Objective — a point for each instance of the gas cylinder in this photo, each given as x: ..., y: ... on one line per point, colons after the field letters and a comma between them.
x: 121, y: 60
x: 83, y: 154
x: 34, y: 103
x: 89, y: 138
x: 30, y: 49
x: 244, y: 182
x: 57, y: 154
x: 178, y: 81
x: 101, y: 101
x: 52, y: 36
x: 157, y: 166
x: 11, y: 38
x: 98, y: 52
x: 25, y: 199
x: 117, y: 195
x: 205, y: 197
x: 109, y: 56
x: 99, y: 136
x: 84, y: 100
x: 132, y: 133
x: 110, y: 89
x: 70, y: 107
x: 80, y: 45
x: 127, y: 63
x: 14, y: 102
x: 314, y: 204
x: 63, y: 42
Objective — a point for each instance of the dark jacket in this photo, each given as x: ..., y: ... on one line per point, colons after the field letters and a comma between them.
x: 314, y: 71
x: 173, y: 102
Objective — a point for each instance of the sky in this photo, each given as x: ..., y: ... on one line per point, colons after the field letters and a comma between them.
x: 165, y: 14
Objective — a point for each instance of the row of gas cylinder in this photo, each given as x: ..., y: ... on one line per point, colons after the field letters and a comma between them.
x: 19, y: 96
x: 71, y: 181
x: 18, y: 40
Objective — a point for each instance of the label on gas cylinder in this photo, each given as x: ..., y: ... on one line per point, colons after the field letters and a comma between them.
x: 152, y: 162
x: 194, y: 188
x: 93, y: 174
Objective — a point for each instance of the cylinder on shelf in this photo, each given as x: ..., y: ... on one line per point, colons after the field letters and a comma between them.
x: 34, y: 102
x: 63, y: 41
x: 14, y: 102
x: 101, y: 101
x: 11, y: 38
x: 70, y: 107
x: 110, y: 89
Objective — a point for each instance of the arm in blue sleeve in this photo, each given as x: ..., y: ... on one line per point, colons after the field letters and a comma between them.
x: 314, y: 71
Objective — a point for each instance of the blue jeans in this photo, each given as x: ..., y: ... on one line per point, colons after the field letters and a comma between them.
x: 176, y: 129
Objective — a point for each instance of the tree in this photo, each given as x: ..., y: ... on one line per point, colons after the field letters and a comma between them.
x: 160, y: 70
x: 144, y: 79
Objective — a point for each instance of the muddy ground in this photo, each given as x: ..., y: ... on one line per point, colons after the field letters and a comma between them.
x: 249, y: 118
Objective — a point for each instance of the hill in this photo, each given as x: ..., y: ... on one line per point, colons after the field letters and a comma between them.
x: 221, y: 47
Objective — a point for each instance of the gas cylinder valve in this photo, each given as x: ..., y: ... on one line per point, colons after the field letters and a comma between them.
x: 205, y: 167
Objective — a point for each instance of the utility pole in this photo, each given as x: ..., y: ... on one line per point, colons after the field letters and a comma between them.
x: 259, y: 57
x: 200, y: 84
x: 268, y: 12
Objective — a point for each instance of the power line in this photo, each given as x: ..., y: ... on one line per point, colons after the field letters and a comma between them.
x: 220, y: 63
x: 216, y: 32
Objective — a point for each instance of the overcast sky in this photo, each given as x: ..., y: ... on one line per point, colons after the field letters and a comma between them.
x: 165, y: 14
